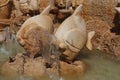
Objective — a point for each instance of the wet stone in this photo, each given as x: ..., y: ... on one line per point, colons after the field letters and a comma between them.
x: 23, y: 65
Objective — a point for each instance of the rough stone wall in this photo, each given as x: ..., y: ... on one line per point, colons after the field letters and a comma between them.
x: 104, y: 40
x: 111, y: 44
x: 104, y: 9
x: 99, y: 16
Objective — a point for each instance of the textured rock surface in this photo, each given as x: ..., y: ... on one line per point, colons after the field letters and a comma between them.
x: 100, y: 27
x: 22, y: 65
x: 111, y: 44
x: 78, y: 68
x: 34, y: 67
x: 104, y: 9
x: 99, y: 16
x: 13, y: 67
x: 104, y: 39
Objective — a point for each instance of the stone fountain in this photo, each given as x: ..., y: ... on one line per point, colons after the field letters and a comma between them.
x: 50, y: 54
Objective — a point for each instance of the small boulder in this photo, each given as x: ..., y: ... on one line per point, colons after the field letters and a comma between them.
x: 78, y: 68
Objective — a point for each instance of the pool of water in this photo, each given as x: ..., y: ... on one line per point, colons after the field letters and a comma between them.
x: 99, y: 65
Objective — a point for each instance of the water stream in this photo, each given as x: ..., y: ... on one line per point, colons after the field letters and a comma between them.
x: 67, y: 4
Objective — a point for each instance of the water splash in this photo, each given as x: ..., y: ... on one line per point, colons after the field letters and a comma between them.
x: 9, y: 47
x: 56, y: 61
x: 52, y: 57
x: 47, y: 49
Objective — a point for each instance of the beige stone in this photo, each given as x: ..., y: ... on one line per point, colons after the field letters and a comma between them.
x: 66, y: 69
x: 117, y: 9
x: 72, y: 34
x: 35, y: 67
x: 13, y: 68
x: 22, y: 65
x: 39, y: 25
x: 78, y: 68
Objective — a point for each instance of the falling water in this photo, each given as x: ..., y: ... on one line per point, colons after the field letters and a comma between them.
x: 55, y: 52
x: 67, y: 4
x: 10, y: 46
x: 11, y: 43
x: 47, y: 50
